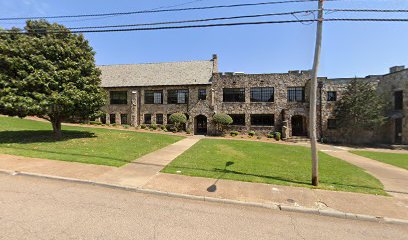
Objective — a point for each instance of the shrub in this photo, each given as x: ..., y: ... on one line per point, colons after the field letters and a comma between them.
x: 143, y: 126
x: 125, y: 126
x: 270, y: 135
x: 258, y: 137
x: 234, y: 133
x: 278, y: 136
x: 114, y: 124
x: 221, y: 121
x: 153, y: 126
x: 95, y: 123
x: 162, y: 127
x: 251, y: 133
x: 188, y: 131
x: 178, y: 119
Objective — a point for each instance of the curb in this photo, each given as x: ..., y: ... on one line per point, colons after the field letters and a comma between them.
x: 272, y: 206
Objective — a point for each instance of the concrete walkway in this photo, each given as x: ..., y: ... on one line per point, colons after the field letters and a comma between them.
x: 140, y: 171
x: 394, y: 179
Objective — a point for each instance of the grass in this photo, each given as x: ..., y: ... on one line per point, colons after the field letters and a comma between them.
x: 396, y: 159
x: 270, y: 163
x: 79, y: 144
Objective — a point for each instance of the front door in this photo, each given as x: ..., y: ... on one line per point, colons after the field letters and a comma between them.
x: 398, y: 130
x: 298, y: 126
x: 201, y: 125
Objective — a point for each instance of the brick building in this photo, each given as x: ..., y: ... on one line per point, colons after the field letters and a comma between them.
x: 149, y: 93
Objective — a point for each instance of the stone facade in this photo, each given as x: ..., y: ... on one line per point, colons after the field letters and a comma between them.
x: 289, y: 117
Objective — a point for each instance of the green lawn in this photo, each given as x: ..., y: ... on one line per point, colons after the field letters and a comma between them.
x: 79, y: 144
x: 270, y: 163
x: 396, y: 159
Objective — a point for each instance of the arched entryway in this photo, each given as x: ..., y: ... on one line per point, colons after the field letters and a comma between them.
x: 298, y: 123
x: 200, y: 125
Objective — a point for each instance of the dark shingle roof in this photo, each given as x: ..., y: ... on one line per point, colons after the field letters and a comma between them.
x: 157, y: 74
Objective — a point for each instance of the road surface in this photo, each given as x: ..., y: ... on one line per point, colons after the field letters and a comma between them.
x: 35, y: 208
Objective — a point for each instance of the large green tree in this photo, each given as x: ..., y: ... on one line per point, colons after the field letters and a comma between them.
x: 360, y: 108
x: 49, y: 72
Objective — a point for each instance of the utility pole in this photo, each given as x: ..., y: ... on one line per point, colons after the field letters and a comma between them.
x: 313, y: 96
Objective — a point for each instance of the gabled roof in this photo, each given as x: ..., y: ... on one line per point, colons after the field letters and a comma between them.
x: 157, y: 74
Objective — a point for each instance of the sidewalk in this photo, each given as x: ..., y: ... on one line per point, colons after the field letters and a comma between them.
x: 291, y: 196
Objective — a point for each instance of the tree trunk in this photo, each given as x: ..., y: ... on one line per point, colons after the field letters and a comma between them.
x: 56, y: 128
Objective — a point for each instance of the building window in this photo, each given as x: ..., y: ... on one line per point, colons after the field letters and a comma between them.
x: 331, y: 96
x: 148, y: 118
x: 153, y: 97
x: 296, y: 94
x: 331, y: 123
x: 177, y: 96
x: 123, y: 119
x: 398, y: 99
x: 103, y: 119
x: 234, y: 94
x: 112, y: 118
x: 159, y: 118
x: 202, y: 94
x: 265, y: 94
x: 118, y: 97
x: 238, y: 119
x: 262, y: 120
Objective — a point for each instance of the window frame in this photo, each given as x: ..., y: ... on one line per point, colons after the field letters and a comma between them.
x: 330, y: 97
x: 294, y: 92
x: 263, y: 123
x: 202, y: 96
x: 263, y: 92
x: 236, y: 95
x: 235, y: 115
x: 144, y: 118
x: 162, y: 118
x: 171, y: 99
x: 110, y: 118
x: 151, y: 94
x: 115, y: 100
x: 121, y: 118
x: 399, y: 100
x: 330, y: 123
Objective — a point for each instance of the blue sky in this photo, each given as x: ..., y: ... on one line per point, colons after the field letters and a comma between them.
x: 349, y: 49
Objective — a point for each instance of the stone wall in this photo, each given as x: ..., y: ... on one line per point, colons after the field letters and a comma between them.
x: 327, y: 109
x: 280, y: 83
x: 389, y: 84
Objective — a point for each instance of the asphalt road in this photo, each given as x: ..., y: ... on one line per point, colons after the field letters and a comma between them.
x: 34, y: 208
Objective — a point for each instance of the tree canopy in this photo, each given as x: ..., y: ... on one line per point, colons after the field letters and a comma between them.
x: 49, y: 75
x: 360, y: 108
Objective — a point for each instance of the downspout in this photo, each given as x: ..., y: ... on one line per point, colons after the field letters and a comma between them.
x: 321, y: 110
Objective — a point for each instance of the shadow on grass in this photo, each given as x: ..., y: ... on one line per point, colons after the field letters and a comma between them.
x: 38, y: 136
x: 225, y: 171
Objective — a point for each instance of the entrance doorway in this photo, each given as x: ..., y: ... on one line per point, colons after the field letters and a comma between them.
x: 398, y: 130
x: 201, y: 125
x: 298, y: 125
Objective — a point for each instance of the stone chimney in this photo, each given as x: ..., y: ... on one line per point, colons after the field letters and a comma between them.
x: 396, y: 69
x: 215, y: 63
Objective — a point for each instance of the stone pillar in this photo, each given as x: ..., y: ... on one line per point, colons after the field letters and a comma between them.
x: 212, y: 101
x: 117, y: 118
x: 133, y: 109
x: 108, y: 118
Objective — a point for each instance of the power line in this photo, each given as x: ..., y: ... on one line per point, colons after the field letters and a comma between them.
x: 194, y: 20
x: 161, y: 10
x: 220, y: 25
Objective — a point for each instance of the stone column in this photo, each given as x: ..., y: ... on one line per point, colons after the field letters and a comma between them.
x: 117, y: 118
x: 133, y: 109
x: 107, y: 118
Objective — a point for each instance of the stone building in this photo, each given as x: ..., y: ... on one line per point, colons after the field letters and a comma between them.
x: 149, y: 93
